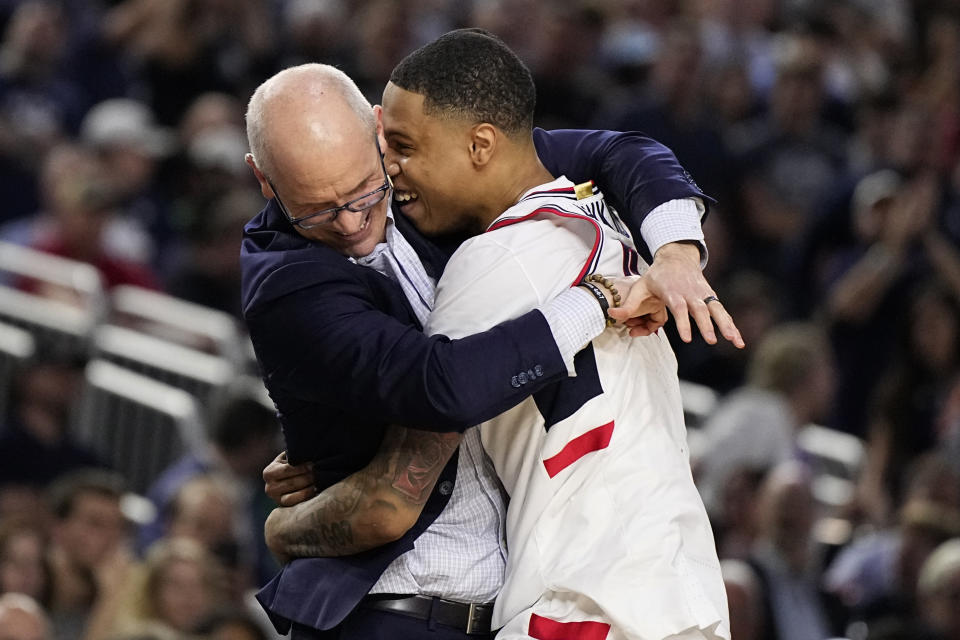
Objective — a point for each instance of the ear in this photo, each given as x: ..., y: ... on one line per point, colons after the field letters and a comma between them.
x: 378, y: 113
x: 265, y: 188
x: 484, y: 138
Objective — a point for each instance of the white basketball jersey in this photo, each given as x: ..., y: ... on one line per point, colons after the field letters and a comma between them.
x: 602, y: 500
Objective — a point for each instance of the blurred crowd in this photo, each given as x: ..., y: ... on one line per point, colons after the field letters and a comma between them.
x: 828, y: 132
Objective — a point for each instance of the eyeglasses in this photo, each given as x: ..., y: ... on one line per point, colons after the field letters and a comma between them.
x: 357, y: 205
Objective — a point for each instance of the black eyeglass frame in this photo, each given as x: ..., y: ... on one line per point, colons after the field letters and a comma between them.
x: 333, y: 212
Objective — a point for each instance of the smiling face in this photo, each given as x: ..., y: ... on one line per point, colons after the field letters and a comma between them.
x: 335, y: 179
x: 437, y: 180
x: 315, y: 142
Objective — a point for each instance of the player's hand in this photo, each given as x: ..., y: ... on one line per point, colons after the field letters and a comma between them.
x: 288, y: 484
x: 675, y: 277
x: 640, y: 311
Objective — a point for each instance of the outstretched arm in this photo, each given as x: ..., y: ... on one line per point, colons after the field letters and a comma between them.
x: 370, y: 507
x: 662, y: 206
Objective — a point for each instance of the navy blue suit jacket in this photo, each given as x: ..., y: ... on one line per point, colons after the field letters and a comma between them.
x: 342, y: 354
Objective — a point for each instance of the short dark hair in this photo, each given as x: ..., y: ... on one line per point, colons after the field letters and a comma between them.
x: 473, y: 74
x: 240, y: 421
x: 64, y: 491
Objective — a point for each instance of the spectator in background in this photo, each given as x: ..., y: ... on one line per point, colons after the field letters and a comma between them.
x: 244, y: 437
x: 789, y: 158
x: 744, y: 599
x: 790, y: 383
x: 77, y: 221
x: 35, y: 441
x: 948, y: 424
x: 938, y: 590
x: 876, y: 575
x: 210, y: 111
x: 787, y: 564
x: 184, y: 48
x: 903, y: 422
x: 88, y: 531
x: 735, y: 515
x: 741, y: 33
x: 21, y: 618
x: 314, y: 30
x: 207, y: 510
x: 570, y: 83
x: 206, y: 171
x: 177, y: 587
x: 670, y: 109
x: 209, y: 272
x: 232, y: 624
x: 39, y: 105
x: 131, y: 147
x: 182, y: 584
x: 897, y: 245
x: 23, y: 565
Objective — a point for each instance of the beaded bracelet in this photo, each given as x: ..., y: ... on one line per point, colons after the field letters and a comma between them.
x: 588, y: 282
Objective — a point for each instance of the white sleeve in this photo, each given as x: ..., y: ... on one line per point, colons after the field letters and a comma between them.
x: 575, y: 319
x: 673, y: 221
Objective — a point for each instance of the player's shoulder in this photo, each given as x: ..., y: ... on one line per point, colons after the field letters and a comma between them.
x: 559, y: 203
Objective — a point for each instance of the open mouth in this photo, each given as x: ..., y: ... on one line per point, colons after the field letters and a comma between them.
x: 402, y: 197
x: 361, y: 229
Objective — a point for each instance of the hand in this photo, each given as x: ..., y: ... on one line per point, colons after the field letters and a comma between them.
x: 640, y: 311
x: 113, y: 572
x: 911, y: 212
x: 675, y: 277
x: 288, y: 484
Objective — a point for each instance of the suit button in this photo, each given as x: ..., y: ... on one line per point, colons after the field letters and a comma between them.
x: 446, y: 487
x: 522, y: 377
x: 515, y: 382
x: 531, y: 374
x: 538, y: 370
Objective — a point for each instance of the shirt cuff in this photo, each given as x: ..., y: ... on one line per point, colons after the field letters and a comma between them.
x: 673, y: 221
x: 575, y: 319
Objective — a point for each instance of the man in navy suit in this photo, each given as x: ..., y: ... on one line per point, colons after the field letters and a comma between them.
x: 336, y: 288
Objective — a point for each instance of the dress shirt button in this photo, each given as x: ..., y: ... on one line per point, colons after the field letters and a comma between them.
x: 522, y: 377
x: 515, y: 382
x: 446, y: 487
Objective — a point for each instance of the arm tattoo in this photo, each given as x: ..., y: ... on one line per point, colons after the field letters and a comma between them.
x: 420, y: 462
x: 398, y: 479
x: 325, y: 539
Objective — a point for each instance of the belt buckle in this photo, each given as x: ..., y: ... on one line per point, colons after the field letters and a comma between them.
x: 470, y: 619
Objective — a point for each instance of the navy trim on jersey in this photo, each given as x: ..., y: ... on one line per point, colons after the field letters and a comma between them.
x: 594, y: 258
x: 562, y: 399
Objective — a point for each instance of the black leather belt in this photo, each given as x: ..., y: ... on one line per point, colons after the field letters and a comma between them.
x: 471, y: 618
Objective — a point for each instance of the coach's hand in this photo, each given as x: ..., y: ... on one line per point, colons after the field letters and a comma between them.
x: 675, y: 277
x: 288, y: 484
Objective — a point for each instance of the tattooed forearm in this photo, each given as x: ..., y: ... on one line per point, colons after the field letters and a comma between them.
x: 420, y: 462
x: 328, y: 539
x: 370, y: 507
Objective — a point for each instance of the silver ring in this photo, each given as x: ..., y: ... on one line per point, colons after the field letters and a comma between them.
x: 710, y: 299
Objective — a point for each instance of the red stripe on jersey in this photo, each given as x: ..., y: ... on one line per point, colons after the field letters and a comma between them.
x: 547, y: 629
x: 563, y: 214
x: 569, y: 190
x: 631, y: 260
x: 594, y: 440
